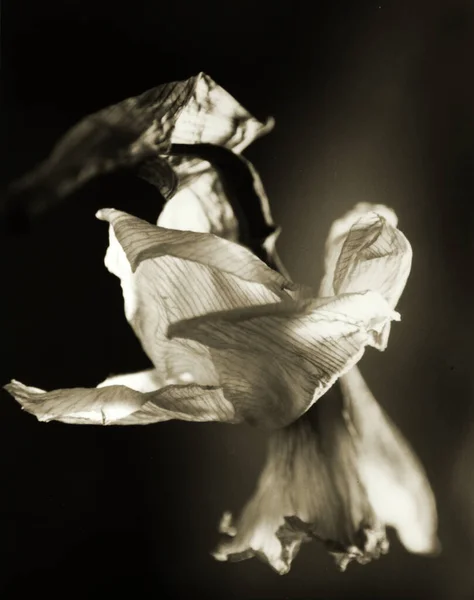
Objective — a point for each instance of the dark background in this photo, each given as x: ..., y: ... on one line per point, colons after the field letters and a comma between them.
x: 373, y: 102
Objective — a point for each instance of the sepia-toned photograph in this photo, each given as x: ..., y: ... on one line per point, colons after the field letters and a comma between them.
x: 236, y: 325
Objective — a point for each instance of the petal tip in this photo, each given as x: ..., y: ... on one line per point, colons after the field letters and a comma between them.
x: 104, y: 214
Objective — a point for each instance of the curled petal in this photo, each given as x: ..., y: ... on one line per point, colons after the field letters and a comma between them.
x: 142, y: 241
x: 308, y: 489
x: 221, y: 192
x: 274, y: 366
x: 201, y: 206
x: 124, y: 134
x: 139, y: 132
x: 396, y: 483
x: 366, y: 251
x: 180, y: 275
x: 212, y: 116
x: 120, y: 405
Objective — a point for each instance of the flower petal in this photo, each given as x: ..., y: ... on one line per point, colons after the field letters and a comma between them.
x: 231, y: 199
x: 274, y: 367
x: 396, y: 483
x: 124, y: 134
x: 120, y: 405
x: 366, y: 251
x: 201, y: 205
x: 212, y: 116
x: 135, y: 132
x: 142, y: 241
x: 143, y: 381
x: 308, y: 489
x: 180, y: 275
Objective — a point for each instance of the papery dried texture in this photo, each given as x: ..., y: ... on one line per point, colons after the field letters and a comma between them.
x: 396, y: 483
x: 275, y: 367
x: 367, y: 252
x: 340, y: 474
x: 140, y: 132
x: 272, y: 355
x: 120, y: 405
x: 308, y: 489
x: 321, y: 476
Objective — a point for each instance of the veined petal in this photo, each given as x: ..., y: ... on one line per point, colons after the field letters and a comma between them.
x: 308, y: 489
x: 274, y: 367
x: 120, y: 405
x: 179, y: 275
x: 366, y: 251
x: 396, y: 482
x: 201, y: 205
x: 213, y: 116
x: 142, y: 241
x: 124, y: 134
x: 227, y: 198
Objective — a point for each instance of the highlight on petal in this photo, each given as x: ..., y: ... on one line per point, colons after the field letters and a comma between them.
x: 120, y: 405
x: 142, y: 381
x: 201, y: 205
x: 213, y: 116
x: 168, y: 276
x: 142, y: 241
x: 230, y: 196
x: 274, y: 366
x: 309, y: 489
x: 139, y: 132
x: 396, y: 483
x: 366, y: 251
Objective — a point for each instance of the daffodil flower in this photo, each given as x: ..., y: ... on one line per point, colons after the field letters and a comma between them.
x: 233, y: 340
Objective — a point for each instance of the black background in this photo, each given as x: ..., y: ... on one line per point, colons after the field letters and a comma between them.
x: 373, y: 102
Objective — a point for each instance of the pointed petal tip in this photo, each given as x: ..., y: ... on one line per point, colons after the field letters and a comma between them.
x: 104, y: 214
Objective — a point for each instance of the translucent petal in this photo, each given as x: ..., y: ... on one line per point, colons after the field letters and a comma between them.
x: 201, y: 205
x: 212, y: 116
x: 178, y: 275
x: 396, y: 482
x: 142, y: 381
x: 274, y: 367
x: 120, y: 405
x: 308, y: 489
x: 366, y: 251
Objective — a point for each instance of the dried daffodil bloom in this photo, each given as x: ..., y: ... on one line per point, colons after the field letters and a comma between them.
x: 233, y: 340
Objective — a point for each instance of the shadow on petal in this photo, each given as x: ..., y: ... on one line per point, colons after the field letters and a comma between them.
x: 309, y: 489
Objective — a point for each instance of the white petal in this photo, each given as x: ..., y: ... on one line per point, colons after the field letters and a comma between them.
x: 365, y: 251
x: 396, y: 483
x: 124, y: 134
x: 274, y: 367
x: 308, y: 489
x: 201, y: 205
x: 213, y: 116
x: 120, y: 405
x: 142, y: 241
x: 178, y: 275
x: 143, y: 381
